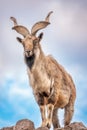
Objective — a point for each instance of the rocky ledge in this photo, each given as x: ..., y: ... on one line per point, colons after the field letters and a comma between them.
x: 26, y: 124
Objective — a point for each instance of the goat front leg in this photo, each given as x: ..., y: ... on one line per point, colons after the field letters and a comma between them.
x: 43, y: 115
x: 41, y: 102
x: 50, y: 108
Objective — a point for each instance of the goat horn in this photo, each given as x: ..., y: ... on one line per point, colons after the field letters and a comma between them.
x: 40, y: 25
x: 14, y: 20
x: 48, y: 16
x: 19, y: 28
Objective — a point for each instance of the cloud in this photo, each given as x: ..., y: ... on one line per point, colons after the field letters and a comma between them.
x: 17, y: 102
x: 16, y: 91
x: 68, y: 30
x: 69, y: 21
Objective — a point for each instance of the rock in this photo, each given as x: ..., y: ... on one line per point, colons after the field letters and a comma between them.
x: 7, y: 128
x: 74, y: 126
x: 42, y: 128
x: 78, y: 126
x: 24, y: 124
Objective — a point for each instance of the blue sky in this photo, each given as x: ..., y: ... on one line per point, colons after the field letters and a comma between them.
x: 65, y: 39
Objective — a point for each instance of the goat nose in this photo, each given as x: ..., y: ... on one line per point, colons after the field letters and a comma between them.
x: 27, y: 51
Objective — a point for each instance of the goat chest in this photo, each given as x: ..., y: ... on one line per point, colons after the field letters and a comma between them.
x: 39, y: 80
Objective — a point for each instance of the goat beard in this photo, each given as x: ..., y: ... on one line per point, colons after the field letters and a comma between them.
x: 30, y: 60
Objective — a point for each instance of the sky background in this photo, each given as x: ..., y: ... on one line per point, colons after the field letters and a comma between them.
x: 65, y: 38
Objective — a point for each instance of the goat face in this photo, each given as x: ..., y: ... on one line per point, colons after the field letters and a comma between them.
x: 30, y: 41
x: 31, y: 44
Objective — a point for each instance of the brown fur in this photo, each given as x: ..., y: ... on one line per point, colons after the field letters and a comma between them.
x: 61, y: 93
x: 52, y: 86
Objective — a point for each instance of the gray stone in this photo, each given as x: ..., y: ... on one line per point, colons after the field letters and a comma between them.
x: 42, y: 128
x: 74, y: 126
x: 7, y: 128
x: 24, y: 124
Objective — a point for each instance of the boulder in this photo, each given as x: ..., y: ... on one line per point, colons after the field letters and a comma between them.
x: 24, y: 124
x: 7, y: 128
x: 74, y: 126
x: 42, y: 128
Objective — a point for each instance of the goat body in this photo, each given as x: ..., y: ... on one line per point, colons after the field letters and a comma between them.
x: 53, y: 87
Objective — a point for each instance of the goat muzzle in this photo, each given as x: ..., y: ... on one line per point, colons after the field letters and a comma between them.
x: 28, y: 53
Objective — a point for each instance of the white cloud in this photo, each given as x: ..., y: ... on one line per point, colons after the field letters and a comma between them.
x: 16, y: 92
x: 68, y: 23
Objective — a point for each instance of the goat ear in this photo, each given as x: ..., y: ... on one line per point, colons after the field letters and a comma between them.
x: 40, y: 36
x: 19, y: 39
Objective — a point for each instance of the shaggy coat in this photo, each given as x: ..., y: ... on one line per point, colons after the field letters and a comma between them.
x: 52, y: 86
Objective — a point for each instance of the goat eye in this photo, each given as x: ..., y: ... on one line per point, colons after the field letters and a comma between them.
x: 35, y: 41
x: 23, y: 44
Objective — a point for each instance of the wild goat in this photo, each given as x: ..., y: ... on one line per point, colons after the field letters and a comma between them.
x: 52, y: 86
